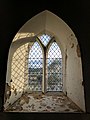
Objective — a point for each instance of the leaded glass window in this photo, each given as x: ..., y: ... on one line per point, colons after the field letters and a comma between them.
x: 53, y: 60
x: 54, y: 68
x: 44, y: 39
x: 35, y: 67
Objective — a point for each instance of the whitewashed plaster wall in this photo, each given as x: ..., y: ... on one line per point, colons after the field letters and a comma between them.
x: 16, y: 69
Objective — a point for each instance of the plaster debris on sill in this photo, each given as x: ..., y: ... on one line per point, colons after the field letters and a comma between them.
x: 43, y: 103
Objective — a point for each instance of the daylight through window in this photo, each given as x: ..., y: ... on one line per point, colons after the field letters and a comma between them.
x: 53, y: 61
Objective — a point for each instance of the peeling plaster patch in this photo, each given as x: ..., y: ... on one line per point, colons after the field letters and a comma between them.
x: 25, y: 98
x: 15, y: 92
x: 7, y: 92
x: 72, y: 45
x: 11, y: 80
x: 48, y: 107
x: 54, y: 97
x: 78, y: 51
x: 22, y: 102
x: 19, y: 108
x: 72, y: 106
x: 33, y: 107
x: 49, y: 104
x: 62, y: 105
x: 71, y: 37
x: 71, y: 34
x: 43, y: 104
x: 13, y: 87
x: 37, y: 96
x: 52, y: 110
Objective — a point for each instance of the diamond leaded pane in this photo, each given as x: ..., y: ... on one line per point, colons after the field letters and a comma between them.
x: 45, y: 39
x: 54, y: 68
x: 35, y: 69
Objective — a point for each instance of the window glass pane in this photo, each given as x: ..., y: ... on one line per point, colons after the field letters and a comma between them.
x: 35, y: 63
x: 54, y: 68
x: 44, y: 39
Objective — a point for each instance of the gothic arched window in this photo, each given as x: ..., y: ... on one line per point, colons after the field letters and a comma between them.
x: 44, y: 56
x: 45, y: 65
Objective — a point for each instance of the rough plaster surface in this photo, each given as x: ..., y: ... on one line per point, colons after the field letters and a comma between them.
x: 43, y: 103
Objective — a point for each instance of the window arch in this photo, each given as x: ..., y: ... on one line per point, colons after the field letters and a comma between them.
x: 33, y: 31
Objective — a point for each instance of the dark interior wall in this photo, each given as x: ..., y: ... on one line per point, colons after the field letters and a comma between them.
x: 13, y: 14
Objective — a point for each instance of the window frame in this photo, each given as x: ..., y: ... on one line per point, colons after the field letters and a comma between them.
x: 45, y: 50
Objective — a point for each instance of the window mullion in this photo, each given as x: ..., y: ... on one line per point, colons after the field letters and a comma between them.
x: 44, y: 72
x: 40, y: 42
x: 52, y: 39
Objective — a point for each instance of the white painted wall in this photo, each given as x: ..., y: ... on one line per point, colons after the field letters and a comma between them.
x: 12, y: 69
x: 74, y: 78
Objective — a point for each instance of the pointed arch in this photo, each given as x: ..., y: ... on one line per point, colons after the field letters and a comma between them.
x: 47, y: 22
